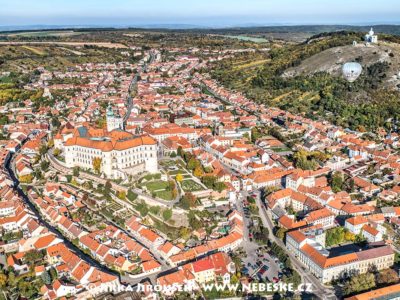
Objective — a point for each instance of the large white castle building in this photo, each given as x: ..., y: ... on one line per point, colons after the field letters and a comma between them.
x: 121, y: 153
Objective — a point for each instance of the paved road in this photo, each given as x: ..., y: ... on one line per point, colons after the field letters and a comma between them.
x: 129, y: 98
x: 131, y: 87
x: 44, y: 223
x: 250, y: 247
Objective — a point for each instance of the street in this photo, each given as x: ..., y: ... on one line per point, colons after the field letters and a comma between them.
x: 318, y: 288
x: 254, y: 263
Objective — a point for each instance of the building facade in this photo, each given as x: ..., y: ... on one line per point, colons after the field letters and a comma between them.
x: 121, y: 153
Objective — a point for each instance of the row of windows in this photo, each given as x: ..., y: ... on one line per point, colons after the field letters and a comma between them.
x: 117, y: 153
x: 134, y: 157
x: 126, y: 165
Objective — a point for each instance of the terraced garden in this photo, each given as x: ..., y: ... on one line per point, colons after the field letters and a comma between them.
x: 160, y: 189
x: 191, y: 186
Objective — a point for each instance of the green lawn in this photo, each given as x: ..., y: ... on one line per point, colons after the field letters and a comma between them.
x: 280, y: 149
x: 190, y: 186
x: 156, y: 185
x: 176, y: 172
x: 166, y: 195
x: 150, y: 177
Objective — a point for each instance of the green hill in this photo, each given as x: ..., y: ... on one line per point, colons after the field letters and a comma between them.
x: 305, y: 78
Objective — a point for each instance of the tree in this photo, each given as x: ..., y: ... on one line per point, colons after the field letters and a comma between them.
x: 43, y: 150
x: 280, y: 233
x: 44, y: 165
x: 180, y: 151
x: 359, y: 283
x: 387, y: 277
x: 219, y: 186
x: 198, y: 172
x: 337, y: 182
x: 255, y: 134
x: 209, y: 181
x: 3, y: 280
x: 11, y: 279
x: 55, y: 122
x: 121, y: 195
x: 75, y: 171
x: 194, y: 221
x: 107, y: 187
x: 188, y: 201
x: 167, y: 214
x: 50, y: 143
x: 338, y: 235
x: 88, y: 185
x: 32, y: 256
x: 46, y: 277
x: 97, y: 164
x: 131, y: 195
x: 185, y: 233
x: 37, y: 174
x: 155, y: 209
x: 193, y: 163
x: 304, y: 160
x: 26, y: 178
x: 187, y: 156
x: 179, y: 177
x: 143, y: 209
x: 56, y: 152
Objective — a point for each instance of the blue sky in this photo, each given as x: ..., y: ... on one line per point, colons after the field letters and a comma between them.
x: 197, y: 12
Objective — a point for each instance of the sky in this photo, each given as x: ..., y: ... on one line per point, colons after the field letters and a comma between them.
x: 212, y: 13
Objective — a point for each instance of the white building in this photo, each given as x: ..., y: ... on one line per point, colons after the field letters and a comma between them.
x: 121, y: 152
x: 371, y: 37
x: 327, y: 267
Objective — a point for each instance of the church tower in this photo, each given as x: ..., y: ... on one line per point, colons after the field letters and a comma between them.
x: 371, y: 37
x: 114, y: 121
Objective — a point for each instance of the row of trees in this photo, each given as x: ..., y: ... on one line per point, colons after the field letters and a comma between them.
x: 370, y: 280
x: 308, y: 160
x: 338, y: 235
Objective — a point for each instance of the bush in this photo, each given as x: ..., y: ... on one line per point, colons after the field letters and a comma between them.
x: 131, y: 195
x: 167, y: 214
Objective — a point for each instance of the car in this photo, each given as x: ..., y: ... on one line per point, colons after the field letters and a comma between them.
x: 262, y: 271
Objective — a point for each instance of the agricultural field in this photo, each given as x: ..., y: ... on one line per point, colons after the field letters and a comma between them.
x: 46, y: 33
x: 24, y: 57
